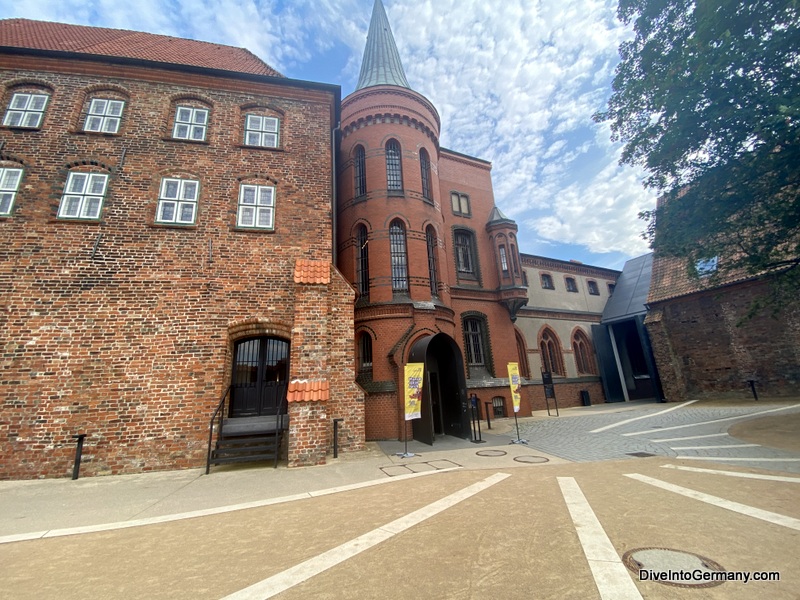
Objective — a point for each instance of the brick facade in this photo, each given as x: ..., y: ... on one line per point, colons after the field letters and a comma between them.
x: 123, y: 328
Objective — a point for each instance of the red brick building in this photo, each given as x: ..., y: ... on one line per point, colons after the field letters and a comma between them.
x: 167, y: 244
x: 435, y: 263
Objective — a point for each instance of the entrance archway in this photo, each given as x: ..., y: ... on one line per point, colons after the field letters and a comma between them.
x: 444, y: 390
x: 260, y: 377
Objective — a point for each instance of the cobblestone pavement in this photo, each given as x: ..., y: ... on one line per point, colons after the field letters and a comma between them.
x: 689, y: 431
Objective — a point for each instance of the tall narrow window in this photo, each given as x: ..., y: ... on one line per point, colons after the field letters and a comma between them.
x: 593, y: 289
x: 397, y: 239
x: 522, y: 356
x: 362, y: 261
x: 430, y: 235
x: 360, y: 171
x: 460, y: 204
x: 83, y: 196
x: 514, y: 259
x: 9, y: 184
x: 503, y: 260
x: 581, y: 347
x: 473, y: 338
x: 547, y: 282
x: 425, y: 173
x: 552, y: 359
x: 365, y: 353
x: 572, y: 285
x: 394, y: 168
x: 462, y: 241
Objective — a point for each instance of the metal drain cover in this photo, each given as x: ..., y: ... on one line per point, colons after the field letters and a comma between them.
x: 531, y: 459
x: 491, y: 453
x: 674, y: 567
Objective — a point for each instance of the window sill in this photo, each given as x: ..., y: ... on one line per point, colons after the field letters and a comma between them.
x: 253, y: 230
x: 21, y: 127
x: 182, y: 141
x: 396, y: 193
x: 76, y: 220
x: 172, y: 225
x: 96, y: 133
x: 268, y: 148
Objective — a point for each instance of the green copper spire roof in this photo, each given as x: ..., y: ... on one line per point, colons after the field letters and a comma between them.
x: 381, y: 64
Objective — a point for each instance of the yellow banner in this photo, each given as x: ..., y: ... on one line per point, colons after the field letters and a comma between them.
x: 413, y: 390
x: 515, y: 383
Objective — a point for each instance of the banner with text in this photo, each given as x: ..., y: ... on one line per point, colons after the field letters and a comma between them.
x: 515, y: 383
x: 413, y: 391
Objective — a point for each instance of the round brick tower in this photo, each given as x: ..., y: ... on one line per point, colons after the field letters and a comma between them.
x: 391, y: 235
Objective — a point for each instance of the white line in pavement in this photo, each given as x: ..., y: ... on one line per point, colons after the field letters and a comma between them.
x: 20, y: 537
x: 728, y: 458
x: 734, y: 474
x: 714, y: 447
x: 661, y: 412
x: 747, y: 416
x: 610, y: 575
x: 690, y: 437
x: 736, y: 507
x: 314, y: 566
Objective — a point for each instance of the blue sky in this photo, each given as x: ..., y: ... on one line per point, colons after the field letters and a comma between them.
x: 516, y: 83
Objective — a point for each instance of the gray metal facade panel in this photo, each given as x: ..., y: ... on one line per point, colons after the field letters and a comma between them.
x: 630, y: 294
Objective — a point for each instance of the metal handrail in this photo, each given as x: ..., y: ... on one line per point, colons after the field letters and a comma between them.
x: 219, y: 412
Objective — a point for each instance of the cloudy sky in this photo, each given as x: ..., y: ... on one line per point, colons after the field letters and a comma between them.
x: 515, y: 82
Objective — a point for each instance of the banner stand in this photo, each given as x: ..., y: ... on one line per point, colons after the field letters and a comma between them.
x: 405, y: 454
x: 518, y: 440
x: 412, y: 400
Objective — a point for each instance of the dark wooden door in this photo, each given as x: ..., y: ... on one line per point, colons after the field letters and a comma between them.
x: 260, y: 375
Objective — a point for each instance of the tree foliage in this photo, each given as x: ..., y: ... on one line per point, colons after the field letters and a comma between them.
x: 707, y: 99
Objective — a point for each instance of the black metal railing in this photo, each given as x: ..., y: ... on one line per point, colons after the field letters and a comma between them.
x: 218, y: 413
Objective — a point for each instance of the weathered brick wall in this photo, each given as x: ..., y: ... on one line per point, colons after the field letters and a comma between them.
x: 308, y: 424
x: 701, y: 348
x: 118, y: 328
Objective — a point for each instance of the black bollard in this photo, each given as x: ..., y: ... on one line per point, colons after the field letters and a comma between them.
x: 336, y: 437
x: 488, y: 406
x: 752, y: 383
x: 76, y: 469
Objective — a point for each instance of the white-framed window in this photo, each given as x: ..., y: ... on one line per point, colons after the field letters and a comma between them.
x: 177, y: 201
x: 83, y: 196
x: 261, y: 131
x: 26, y: 110
x: 190, y: 123
x: 104, y: 115
x: 9, y: 184
x: 256, y: 206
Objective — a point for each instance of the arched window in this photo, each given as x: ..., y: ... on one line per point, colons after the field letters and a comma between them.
x: 547, y: 282
x: 360, y: 171
x: 584, y: 360
x: 365, y: 353
x: 522, y: 356
x: 397, y: 241
x: 552, y: 360
x: 362, y: 261
x: 425, y: 173
x: 430, y: 236
x: 394, y: 168
x: 571, y: 284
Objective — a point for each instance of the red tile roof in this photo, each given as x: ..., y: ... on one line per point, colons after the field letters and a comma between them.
x: 308, y: 391
x: 670, y: 279
x: 44, y: 35
x: 312, y: 271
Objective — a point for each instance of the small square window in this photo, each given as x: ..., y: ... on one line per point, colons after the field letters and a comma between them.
x: 9, y: 184
x: 83, y: 196
x: 190, y: 123
x: 572, y: 286
x: 593, y: 289
x: 256, y: 207
x: 177, y: 201
x: 261, y: 131
x: 460, y: 203
x: 26, y: 110
x: 104, y: 115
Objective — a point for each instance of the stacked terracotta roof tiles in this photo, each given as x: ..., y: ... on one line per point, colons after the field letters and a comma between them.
x: 43, y: 35
x: 308, y: 391
x: 312, y: 271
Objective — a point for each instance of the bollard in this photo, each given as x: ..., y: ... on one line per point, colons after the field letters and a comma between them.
x: 488, y: 406
x: 336, y: 437
x: 76, y: 469
x: 752, y: 383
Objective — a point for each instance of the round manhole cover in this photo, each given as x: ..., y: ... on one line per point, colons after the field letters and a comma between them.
x: 491, y: 453
x: 531, y: 459
x: 674, y: 567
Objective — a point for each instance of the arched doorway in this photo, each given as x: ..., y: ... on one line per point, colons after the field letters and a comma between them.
x: 259, y: 377
x: 444, y: 389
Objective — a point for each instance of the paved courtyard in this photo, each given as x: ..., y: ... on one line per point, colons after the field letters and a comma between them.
x: 579, y: 512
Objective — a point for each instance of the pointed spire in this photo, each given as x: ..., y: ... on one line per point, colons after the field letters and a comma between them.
x: 381, y: 64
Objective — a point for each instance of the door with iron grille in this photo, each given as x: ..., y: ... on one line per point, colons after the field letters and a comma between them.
x: 260, y: 376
